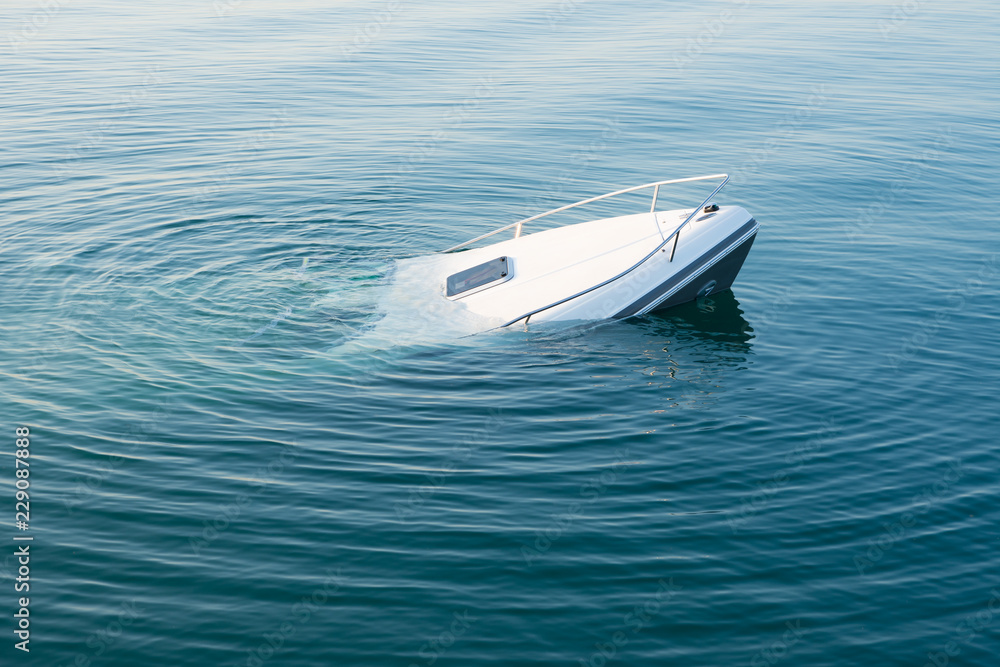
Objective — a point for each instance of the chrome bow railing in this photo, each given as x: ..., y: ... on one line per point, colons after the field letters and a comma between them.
x: 517, y: 226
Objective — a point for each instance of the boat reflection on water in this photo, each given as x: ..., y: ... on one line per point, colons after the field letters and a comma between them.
x: 689, y: 350
x: 714, y: 319
x: 698, y: 341
x: 692, y: 350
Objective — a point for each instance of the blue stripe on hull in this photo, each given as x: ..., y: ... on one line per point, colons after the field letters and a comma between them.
x: 723, y: 272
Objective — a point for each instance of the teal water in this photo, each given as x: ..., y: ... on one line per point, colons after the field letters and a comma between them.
x: 249, y: 446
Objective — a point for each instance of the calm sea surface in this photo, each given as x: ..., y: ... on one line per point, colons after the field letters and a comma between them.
x: 250, y: 446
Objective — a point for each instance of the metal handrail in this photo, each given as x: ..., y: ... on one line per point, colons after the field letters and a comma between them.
x: 656, y: 185
x: 675, y: 235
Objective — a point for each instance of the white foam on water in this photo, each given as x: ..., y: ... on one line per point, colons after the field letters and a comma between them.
x: 414, y: 310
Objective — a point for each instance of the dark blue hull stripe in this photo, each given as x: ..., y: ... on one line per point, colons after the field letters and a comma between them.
x: 693, y: 268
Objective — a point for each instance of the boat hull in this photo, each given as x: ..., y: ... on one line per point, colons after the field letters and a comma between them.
x: 601, y: 269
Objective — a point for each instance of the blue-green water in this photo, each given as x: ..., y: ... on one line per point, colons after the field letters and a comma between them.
x: 248, y: 446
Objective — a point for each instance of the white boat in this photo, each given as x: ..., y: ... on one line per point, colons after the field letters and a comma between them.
x: 608, y: 268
